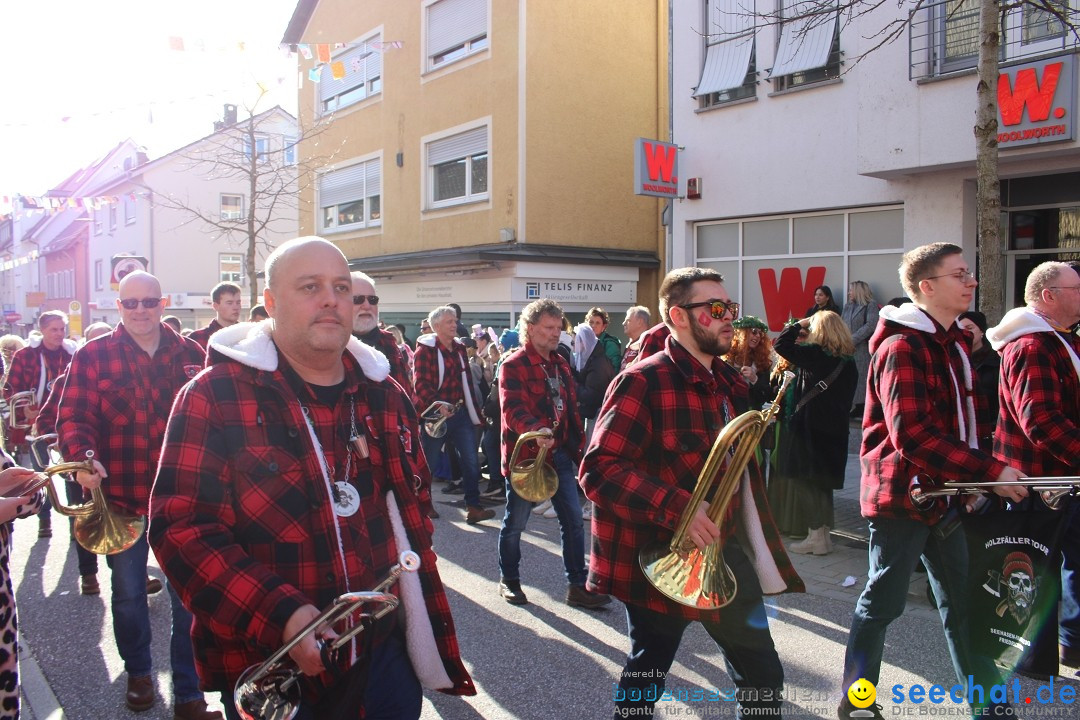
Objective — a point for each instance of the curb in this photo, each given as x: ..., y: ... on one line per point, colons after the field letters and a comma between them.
x: 38, y: 700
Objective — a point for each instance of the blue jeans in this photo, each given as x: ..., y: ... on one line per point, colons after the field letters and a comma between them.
x: 567, y: 509
x: 131, y: 623
x: 740, y: 630
x: 461, y: 433
x: 1069, y: 626
x: 393, y: 692
x: 896, y: 545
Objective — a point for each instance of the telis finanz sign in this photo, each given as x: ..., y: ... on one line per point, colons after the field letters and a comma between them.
x: 1036, y: 102
x: 656, y: 168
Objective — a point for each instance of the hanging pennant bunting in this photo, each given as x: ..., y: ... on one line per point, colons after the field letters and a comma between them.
x: 305, y: 50
x: 315, y: 74
x: 322, y: 51
x: 337, y: 69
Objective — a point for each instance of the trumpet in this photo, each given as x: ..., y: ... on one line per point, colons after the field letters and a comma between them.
x: 1052, y: 490
x: 18, y: 405
x: 97, y: 528
x: 701, y: 578
x: 434, y: 421
x: 534, y: 480
x: 270, y: 692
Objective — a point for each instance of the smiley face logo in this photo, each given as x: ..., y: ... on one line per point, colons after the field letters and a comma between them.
x: 862, y: 693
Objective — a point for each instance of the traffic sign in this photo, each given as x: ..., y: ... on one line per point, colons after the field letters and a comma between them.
x: 12, y: 317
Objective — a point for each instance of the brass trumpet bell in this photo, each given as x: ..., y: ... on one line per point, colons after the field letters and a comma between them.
x: 18, y: 405
x: 681, y: 571
x: 434, y: 421
x: 533, y: 480
x: 1053, y: 490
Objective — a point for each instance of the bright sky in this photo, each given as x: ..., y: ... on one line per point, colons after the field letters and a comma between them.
x: 80, y: 77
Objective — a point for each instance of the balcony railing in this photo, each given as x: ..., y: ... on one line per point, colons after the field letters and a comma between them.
x: 943, y: 36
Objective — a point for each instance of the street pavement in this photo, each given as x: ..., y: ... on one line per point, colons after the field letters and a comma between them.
x: 542, y: 660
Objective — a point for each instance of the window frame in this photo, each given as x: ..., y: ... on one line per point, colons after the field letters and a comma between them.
x: 748, y: 89
x: 372, y: 87
x: 289, y: 150
x: 235, y: 277
x: 240, y: 215
x: 370, y: 219
x: 469, y: 197
x: 262, y: 155
x: 829, y: 72
x: 129, y: 210
x: 114, y: 214
x: 471, y: 46
x: 99, y: 275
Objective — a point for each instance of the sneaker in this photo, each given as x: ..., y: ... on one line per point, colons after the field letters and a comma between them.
x: 495, y: 488
x: 542, y: 508
x: 847, y: 711
x: 511, y: 592
x: 153, y: 585
x: 454, y: 488
x: 578, y: 596
x: 433, y: 514
x: 478, y: 514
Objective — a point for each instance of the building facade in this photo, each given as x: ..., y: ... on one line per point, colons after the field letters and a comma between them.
x: 481, y: 152
x: 819, y: 158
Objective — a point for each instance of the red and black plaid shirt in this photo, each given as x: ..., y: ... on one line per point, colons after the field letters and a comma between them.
x: 655, y: 430
x: 26, y: 375
x: 243, y: 522
x: 526, y: 403
x: 116, y: 402
x: 46, y: 419
x: 202, y: 336
x: 427, y: 361
x: 385, y: 342
x: 1038, y: 429
x: 911, y: 427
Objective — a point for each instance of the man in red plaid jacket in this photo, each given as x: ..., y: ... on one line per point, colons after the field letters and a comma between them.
x: 920, y: 429
x: 288, y: 477
x: 34, y: 369
x: 119, y: 390
x: 366, y: 329
x: 653, y: 435
x: 1038, y: 428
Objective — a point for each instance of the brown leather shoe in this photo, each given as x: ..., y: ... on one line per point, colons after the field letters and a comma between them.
x: 478, y: 514
x: 194, y: 710
x: 578, y: 596
x: 88, y: 584
x: 512, y: 593
x: 433, y: 514
x: 153, y: 585
x: 140, y: 693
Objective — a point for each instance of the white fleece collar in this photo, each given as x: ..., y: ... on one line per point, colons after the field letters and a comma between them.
x: 909, y: 315
x: 69, y: 345
x: 252, y: 344
x: 1025, y: 321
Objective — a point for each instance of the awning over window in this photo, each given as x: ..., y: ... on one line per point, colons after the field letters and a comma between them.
x: 805, y: 41
x: 729, y: 45
x: 454, y: 22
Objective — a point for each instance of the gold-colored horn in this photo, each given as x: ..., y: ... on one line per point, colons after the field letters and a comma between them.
x: 534, y: 480
x: 434, y: 421
x: 18, y: 405
x: 97, y: 528
x: 679, y: 570
x: 1052, y: 489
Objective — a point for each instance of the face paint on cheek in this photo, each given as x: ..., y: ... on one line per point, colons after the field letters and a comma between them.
x: 704, y: 319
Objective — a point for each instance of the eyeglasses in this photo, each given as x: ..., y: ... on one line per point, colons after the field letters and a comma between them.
x: 147, y: 303
x: 1064, y: 287
x: 756, y: 331
x: 964, y: 276
x: 359, y: 299
x: 717, y: 308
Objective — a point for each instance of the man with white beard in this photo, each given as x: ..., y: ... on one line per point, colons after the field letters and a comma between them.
x: 366, y: 329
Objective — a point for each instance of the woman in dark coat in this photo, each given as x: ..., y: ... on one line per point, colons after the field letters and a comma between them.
x: 823, y: 300
x: 987, y: 365
x: 817, y: 431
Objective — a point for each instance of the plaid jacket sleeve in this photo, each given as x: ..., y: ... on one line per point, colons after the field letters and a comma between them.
x: 46, y: 419
x: 25, y: 372
x: 425, y: 375
x: 191, y: 529
x: 76, y: 417
x: 913, y: 403
x: 1038, y: 415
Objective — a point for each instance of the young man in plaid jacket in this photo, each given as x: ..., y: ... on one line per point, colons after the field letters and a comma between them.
x: 536, y: 394
x: 653, y: 435
x: 35, y: 368
x: 227, y: 303
x: 116, y: 401
x: 288, y: 477
x: 1038, y: 428
x: 920, y: 429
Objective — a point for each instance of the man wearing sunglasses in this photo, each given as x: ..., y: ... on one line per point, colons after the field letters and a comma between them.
x: 655, y: 430
x: 115, y: 404
x: 366, y: 329
x: 1038, y: 426
x: 227, y: 302
x: 920, y: 426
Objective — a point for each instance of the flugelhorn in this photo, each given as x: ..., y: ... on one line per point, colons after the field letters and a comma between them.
x: 434, y: 421
x: 96, y: 527
x: 534, y: 480
x: 270, y: 691
x: 679, y: 570
x: 18, y: 405
x: 1052, y: 489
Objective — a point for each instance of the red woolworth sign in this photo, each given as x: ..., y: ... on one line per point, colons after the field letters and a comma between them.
x: 656, y: 168
x: 1036, y: 102
x: 789, y: 297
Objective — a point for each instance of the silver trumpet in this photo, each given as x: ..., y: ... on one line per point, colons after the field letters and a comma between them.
x: 270, y: 692
x: 434, y: 421
x: 1052, y: 490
